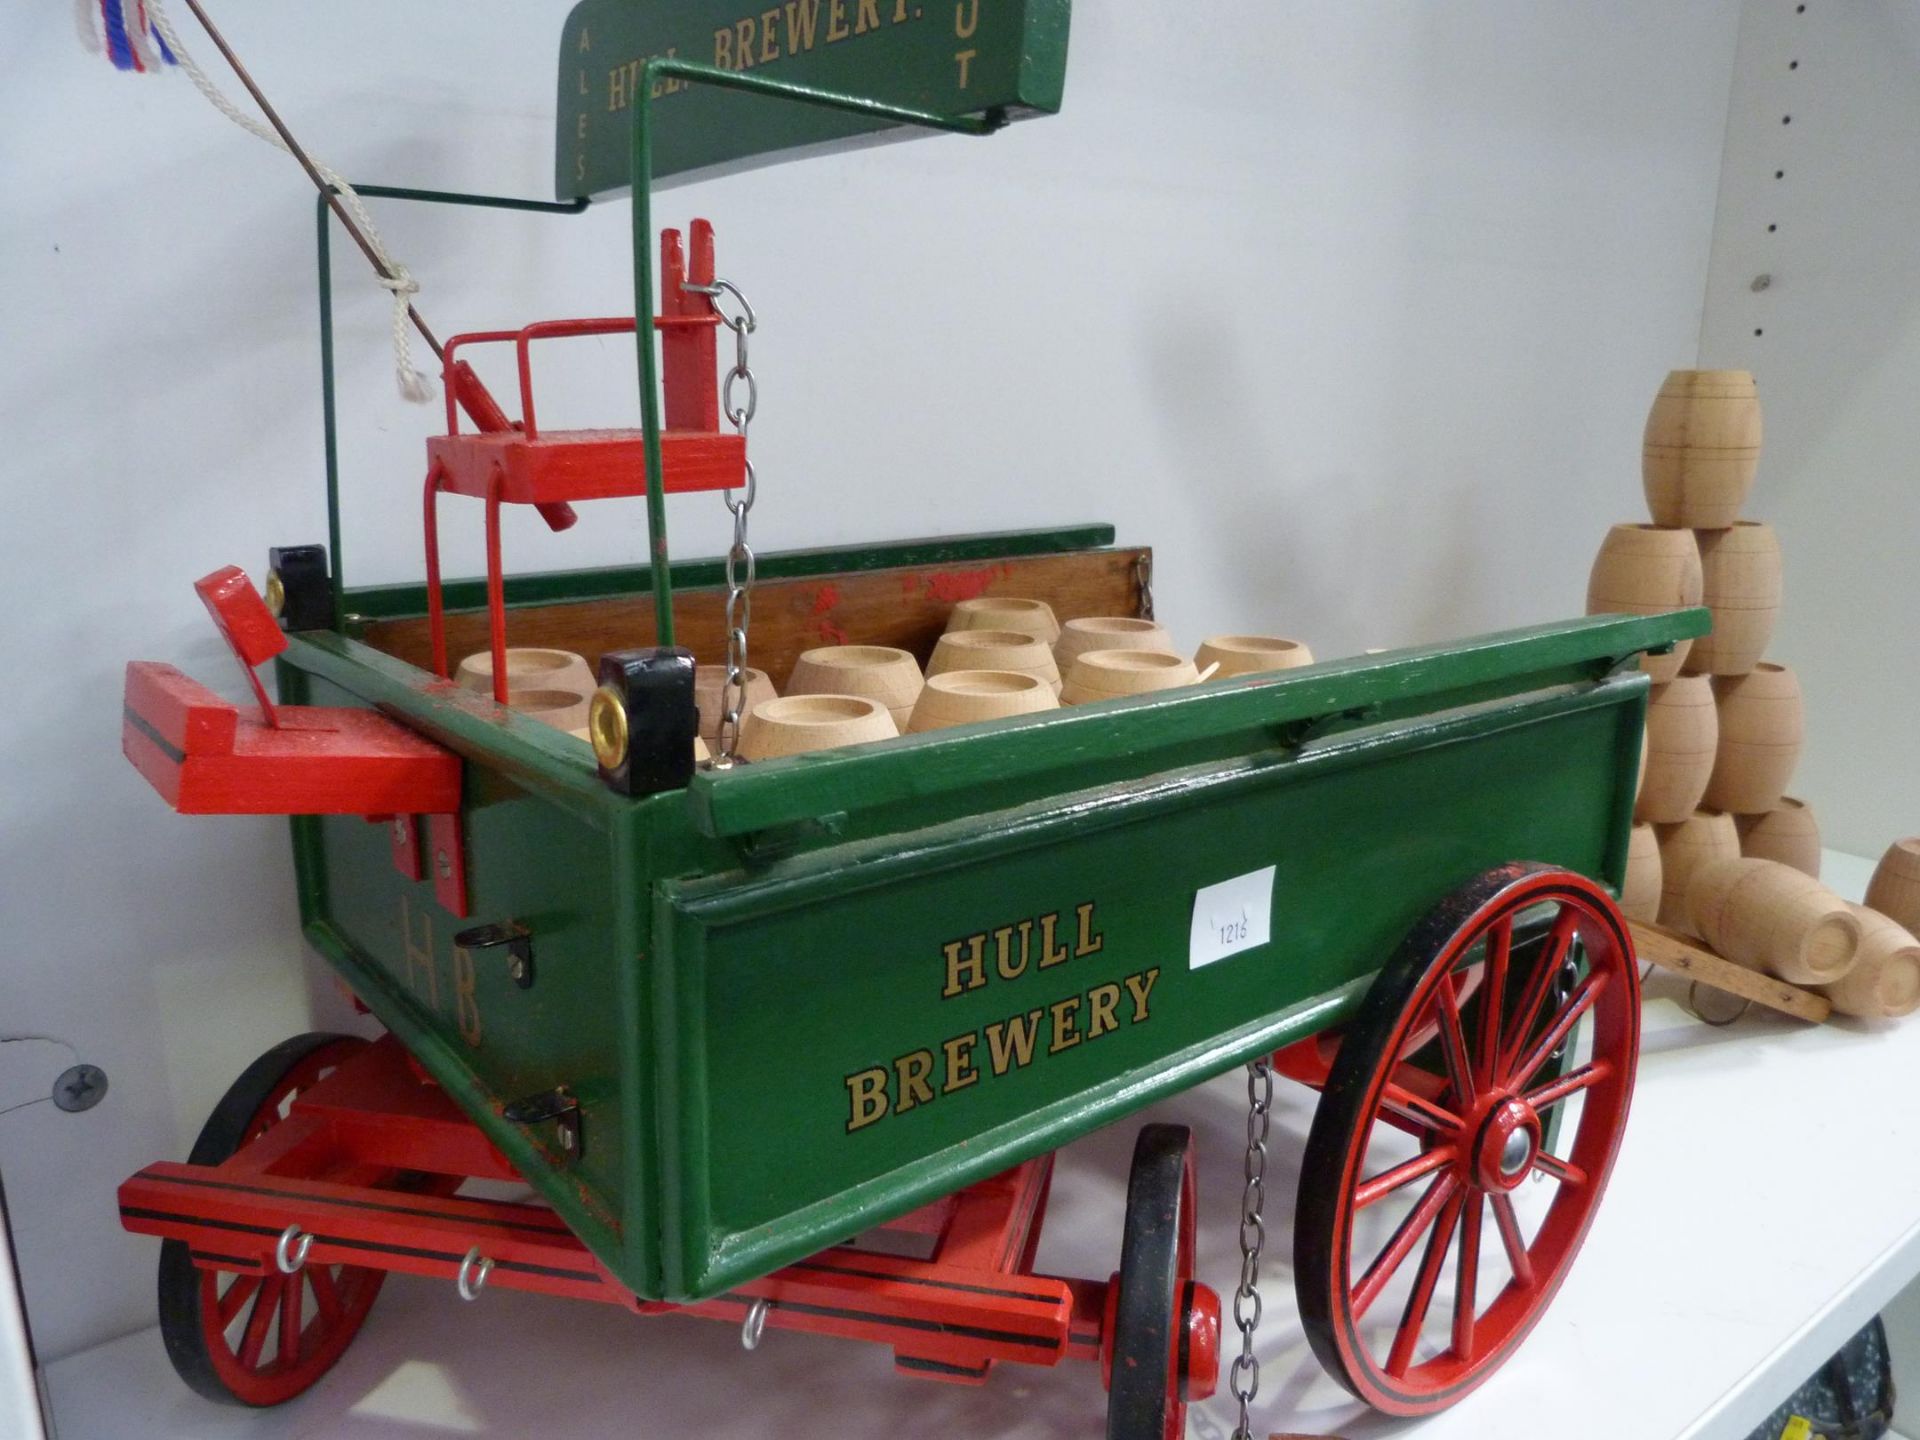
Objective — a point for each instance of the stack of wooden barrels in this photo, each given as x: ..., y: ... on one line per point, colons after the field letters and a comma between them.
x: 1720, y: 852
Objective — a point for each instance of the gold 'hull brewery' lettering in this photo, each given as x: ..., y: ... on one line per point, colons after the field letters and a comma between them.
x: 1049, y: 1026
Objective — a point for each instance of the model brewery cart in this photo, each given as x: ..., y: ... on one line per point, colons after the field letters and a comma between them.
x: 790, y: 1044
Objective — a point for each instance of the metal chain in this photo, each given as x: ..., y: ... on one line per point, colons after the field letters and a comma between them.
x: 1143, y: 577
x: 740, y: 560
x: 1244, y: 1378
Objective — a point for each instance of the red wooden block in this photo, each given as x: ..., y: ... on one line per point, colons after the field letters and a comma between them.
x: 316, y: 762
x: 563, y: 465
x: 241, y: 615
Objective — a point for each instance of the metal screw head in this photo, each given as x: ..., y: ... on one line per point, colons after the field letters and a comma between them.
x: 567, y: 1137
x: 516, y: 969
x: 400, y: 829
x: 1517, y: 1153
x: 445, y: 865
x: 80, y: 1087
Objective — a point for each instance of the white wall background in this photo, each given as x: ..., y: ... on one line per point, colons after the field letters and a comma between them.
x: 1834, y: 342
x: 1353, y: 310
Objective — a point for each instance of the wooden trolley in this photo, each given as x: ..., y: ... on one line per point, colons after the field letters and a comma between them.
x: 790, y: 1044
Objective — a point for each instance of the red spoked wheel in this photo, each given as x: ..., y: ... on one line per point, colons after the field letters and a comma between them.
x: 261, y: 1339
x: 1441, y: 1110
x: 1162, y: 1328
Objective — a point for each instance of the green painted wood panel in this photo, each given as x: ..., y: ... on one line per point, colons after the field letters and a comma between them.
x: 953, y: 58
x: 797, y: 996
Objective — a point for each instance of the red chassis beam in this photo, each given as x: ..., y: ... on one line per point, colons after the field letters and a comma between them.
x: 328, y: 1171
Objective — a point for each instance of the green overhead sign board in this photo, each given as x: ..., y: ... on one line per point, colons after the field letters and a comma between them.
x: 949, y: 57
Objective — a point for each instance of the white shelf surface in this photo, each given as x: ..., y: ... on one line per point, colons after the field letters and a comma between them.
x: 1766, y: 1203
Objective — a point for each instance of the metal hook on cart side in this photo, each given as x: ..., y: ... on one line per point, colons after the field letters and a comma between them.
x: 474, y: 1270
x: 754, y: 1324
x: 288, y: 1258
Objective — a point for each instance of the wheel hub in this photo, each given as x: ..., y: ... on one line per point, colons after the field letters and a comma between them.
x: 1508, y: 1145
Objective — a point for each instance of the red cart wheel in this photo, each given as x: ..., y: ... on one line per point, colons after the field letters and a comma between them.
x: 1162, y: 1329
x: 252, y: 1339
x: 1438, y: 1110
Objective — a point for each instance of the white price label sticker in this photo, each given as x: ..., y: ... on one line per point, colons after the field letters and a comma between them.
x: 1231, y: 916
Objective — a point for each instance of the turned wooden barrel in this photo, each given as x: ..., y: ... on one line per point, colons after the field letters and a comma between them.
x: 1895, y: 888
x: 1701, y: 447
x: 1703, y: 838
x: 1884, y: 983
x: 1640, y: 895
x: 1740, y: 578
x: 1761, y: 730
x: 1683, y: 732
x: 1788, y: 833
x: 1768, y: 916
x: 1647, y: 570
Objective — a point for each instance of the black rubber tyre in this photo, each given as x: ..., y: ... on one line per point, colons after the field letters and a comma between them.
x: 250, y: 1107
x: 1144, y: 1400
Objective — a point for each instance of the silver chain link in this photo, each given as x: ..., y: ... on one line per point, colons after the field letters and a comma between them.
x: 1143, y: 577
x: 740, y: 560
x: 1244, y: 1377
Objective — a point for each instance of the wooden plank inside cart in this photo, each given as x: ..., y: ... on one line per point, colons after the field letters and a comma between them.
x: 722, y: 1020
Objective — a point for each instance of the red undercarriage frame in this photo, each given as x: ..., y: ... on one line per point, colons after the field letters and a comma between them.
x: 329, y: 1171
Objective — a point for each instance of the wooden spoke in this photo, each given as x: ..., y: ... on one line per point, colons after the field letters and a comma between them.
x: 1493, y: 989
x: 326, y: 1294
x: 1539, y: 986
x: 1387, y: 1181
x: 265, y: 1304
x: 1467, y: 1283
x: 1427, y: 1114
x: 1577, y: 1005
x: 238, y: 1293
x: 1570, y: 1083
x: 1508, y: 1224
x: 1407, y: 1337
x: 1453, y: 1042
x: 1401, y: 1245
x: 1564, y: 1171
x: 292, y: 1296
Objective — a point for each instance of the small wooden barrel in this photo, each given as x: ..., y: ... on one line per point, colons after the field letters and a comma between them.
x: 1108, y: 632
x: 1640, y: 896
x: 879, y: 672
x: 1231, y: 655
x: 802, y: 723
x: 1702, y: 839
x: 1647, y: 570
x: 1741, y: 578
x: 1006, y: 612
x: 1114, y: 674
x: 1884, y: 983
x: 1768, y: 916
x: 1895, y: 888
x: 994, y: 650
x: 961, y: 697
x: 1788, y: 833
x: 1701, y: 447
x: 1761, y: 730
x: 1683, y: 731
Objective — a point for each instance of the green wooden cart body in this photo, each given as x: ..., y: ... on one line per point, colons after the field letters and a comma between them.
x: 730, y: 976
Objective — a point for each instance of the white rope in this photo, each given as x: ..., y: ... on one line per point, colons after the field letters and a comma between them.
x: 397, y: 280
x: 86, y: 14
x: 135, y: 23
